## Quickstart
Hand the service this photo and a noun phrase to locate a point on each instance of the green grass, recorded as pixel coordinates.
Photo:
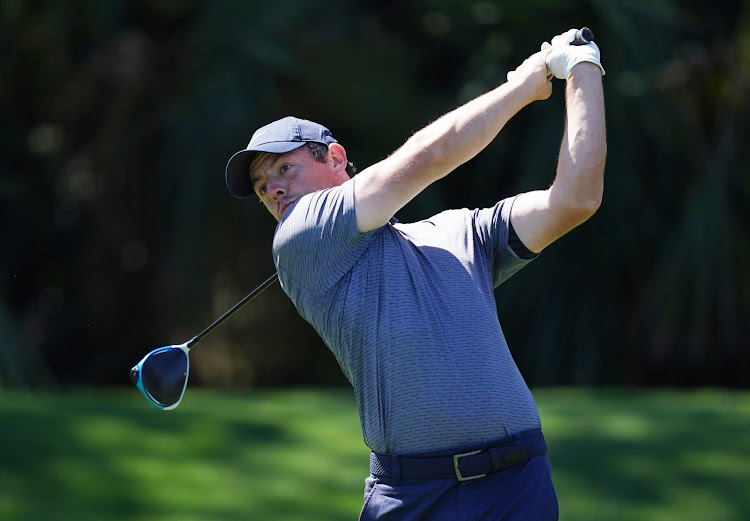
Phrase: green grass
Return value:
(298, 454)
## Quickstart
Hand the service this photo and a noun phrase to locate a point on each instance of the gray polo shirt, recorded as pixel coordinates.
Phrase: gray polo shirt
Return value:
(409, 312)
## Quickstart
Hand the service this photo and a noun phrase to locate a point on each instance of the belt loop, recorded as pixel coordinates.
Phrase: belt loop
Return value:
(396, 468)
(497, 460)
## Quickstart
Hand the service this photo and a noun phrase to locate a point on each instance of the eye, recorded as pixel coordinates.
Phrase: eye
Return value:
(262, 190)
(285, 167)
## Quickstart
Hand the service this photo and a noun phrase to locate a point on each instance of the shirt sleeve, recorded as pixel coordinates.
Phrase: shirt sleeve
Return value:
(317, 240)
(492, 226)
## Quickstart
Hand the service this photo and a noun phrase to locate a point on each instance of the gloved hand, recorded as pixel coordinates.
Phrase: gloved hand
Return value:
(561, 40)
(564, 56)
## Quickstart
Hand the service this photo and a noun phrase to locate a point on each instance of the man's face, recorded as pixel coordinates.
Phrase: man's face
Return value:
(280, 179)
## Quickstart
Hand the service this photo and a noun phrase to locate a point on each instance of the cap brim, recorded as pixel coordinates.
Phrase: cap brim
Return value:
(238, 167)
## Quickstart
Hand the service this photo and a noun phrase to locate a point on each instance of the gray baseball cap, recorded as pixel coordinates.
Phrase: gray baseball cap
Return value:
(279, 137)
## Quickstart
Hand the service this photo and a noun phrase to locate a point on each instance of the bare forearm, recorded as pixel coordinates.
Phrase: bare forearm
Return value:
(579, 182)
(541, 217)
(435, 151)
(461, 134)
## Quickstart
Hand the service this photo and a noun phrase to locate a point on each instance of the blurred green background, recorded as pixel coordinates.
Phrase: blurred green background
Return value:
(118, 236)
(297, 454)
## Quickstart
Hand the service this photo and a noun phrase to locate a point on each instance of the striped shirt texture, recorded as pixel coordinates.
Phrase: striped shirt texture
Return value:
(409, 312)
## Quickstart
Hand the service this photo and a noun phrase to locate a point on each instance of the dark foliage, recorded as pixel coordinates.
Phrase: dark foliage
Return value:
(118, 234)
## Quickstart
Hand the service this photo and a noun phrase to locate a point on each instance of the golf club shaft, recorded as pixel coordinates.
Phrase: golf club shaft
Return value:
(250, 296)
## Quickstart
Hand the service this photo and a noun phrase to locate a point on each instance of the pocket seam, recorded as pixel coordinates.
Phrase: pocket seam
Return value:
(367, 501)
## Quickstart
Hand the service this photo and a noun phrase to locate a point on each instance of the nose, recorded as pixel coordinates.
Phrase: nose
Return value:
(275, 188)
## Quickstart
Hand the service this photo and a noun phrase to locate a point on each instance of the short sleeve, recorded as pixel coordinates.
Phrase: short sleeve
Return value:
(317, 240)
(492, 226)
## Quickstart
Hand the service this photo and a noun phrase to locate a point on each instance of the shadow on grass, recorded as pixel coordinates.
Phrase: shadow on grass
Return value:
(88, 456)
(298, 454)
(650, 455)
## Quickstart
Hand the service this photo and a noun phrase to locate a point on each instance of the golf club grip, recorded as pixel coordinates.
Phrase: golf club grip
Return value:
(584, 35)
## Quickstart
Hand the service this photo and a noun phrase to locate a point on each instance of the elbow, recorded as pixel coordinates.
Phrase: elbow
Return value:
(583, 197)
(578, 189)
(592, 201)
(588, 201)
(578, 212)
(589, 208)
(577, 204)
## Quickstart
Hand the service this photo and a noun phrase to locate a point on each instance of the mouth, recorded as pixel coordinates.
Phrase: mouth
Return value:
(283, 206)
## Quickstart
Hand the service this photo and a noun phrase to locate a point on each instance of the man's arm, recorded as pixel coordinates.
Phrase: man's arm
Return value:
(436, 150)
(540, 217)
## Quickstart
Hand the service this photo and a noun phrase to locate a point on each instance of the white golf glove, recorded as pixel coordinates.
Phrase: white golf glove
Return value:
(565, 56)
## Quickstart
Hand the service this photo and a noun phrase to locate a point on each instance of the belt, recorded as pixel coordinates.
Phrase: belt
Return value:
(464, 466)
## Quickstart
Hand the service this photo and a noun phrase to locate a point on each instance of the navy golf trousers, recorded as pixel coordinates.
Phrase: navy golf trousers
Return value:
(523, 492)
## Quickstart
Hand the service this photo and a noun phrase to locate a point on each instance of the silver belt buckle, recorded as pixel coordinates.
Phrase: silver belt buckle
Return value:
(460, 477)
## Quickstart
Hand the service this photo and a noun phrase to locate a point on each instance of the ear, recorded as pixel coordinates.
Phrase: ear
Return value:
(338, 156)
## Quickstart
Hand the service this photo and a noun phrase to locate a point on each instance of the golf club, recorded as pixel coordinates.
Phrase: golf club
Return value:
(583, 36)
(162, 374)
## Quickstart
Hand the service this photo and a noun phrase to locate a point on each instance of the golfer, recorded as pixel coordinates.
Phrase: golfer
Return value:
(408, 309)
